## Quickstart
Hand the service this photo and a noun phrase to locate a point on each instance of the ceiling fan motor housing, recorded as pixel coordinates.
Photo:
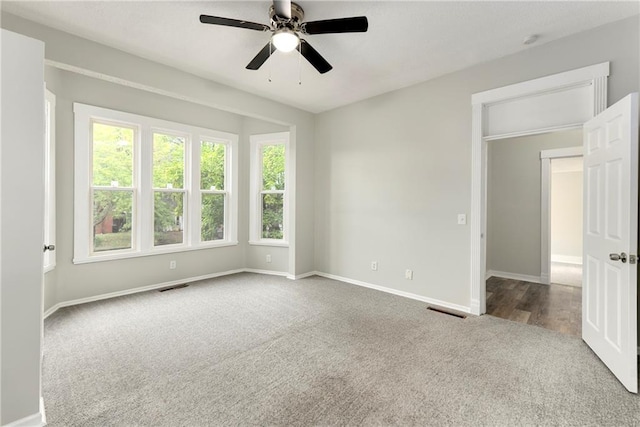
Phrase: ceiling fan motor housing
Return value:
(297, 16)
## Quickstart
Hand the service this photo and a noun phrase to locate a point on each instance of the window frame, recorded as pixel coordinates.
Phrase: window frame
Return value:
(49, 259)
(257, 142)
(143, 198)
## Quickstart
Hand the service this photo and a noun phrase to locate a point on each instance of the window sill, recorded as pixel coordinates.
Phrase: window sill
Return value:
(280, 243)
(163, 251)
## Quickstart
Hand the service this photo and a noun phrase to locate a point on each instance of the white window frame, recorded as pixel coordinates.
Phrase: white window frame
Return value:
(143, 209)
(49, 259)
(257, 142)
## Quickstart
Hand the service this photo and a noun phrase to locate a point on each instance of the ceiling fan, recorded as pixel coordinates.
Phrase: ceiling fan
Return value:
(286, 27)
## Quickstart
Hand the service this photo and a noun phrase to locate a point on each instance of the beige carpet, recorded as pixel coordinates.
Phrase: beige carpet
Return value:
(566, 274)
(262, 350)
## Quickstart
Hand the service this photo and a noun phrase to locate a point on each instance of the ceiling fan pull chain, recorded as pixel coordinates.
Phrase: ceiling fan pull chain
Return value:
(270, 52)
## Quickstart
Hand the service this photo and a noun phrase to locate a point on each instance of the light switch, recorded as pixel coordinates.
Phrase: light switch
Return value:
(462, 219)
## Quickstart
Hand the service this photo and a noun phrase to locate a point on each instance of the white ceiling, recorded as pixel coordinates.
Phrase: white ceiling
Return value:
(407, 42)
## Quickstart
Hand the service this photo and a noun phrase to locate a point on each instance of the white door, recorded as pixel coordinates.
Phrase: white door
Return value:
(609, 305)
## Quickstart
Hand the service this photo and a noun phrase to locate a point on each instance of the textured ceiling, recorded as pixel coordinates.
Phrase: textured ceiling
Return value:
(407, 42)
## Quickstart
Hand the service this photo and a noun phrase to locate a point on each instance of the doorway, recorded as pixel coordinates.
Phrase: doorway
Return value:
(520, 211)
(565, 213)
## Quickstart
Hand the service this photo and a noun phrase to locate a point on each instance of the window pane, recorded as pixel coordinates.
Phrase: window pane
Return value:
(168, 218)
(272, 216)
(112, 155)
(112, 220)
(273, 167)
(212, 165)
(212, 217)
(168, 161)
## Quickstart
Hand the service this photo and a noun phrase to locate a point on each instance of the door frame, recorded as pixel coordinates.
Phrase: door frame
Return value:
(556, 102)
(545, 205)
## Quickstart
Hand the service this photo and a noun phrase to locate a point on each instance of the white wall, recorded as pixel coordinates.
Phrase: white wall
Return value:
(566, 210)
(393, 172)
(22, 226)
(513, 200)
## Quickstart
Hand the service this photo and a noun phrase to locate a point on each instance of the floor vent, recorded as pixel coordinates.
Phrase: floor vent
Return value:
(173, 287)
(450, 313)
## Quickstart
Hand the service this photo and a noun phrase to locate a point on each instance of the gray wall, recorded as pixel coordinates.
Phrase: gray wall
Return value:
(22, 226)
(85, 280)
(513, 200)
(209, 105)
(392, 172)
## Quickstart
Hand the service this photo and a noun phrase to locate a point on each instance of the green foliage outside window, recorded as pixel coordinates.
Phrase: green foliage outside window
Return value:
(212, 171)
(273, 178)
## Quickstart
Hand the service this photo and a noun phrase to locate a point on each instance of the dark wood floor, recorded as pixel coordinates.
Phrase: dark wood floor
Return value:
(555, 307)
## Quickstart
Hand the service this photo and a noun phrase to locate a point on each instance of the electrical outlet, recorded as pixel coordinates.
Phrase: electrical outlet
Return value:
(374, 265)
(172, 265)
(268, 258)
(408, 274)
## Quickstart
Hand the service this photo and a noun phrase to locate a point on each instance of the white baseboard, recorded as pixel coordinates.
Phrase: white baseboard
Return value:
(434, 301)
(44, 415)
(567, 259)
(544, 279)
(410, 295)
(53, 309)
(475, 307)
(516, 276)
(269, 272)
(301, 276)
(35, 420)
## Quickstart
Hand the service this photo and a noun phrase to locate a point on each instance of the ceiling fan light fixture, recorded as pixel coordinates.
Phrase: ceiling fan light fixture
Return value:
(285, 40)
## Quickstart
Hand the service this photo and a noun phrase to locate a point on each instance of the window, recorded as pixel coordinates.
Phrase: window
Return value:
(269, 200)
(137, 181)
(50, 179)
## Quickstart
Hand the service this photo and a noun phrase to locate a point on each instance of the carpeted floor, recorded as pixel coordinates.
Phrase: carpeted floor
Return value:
(566, 274)
(249, 349)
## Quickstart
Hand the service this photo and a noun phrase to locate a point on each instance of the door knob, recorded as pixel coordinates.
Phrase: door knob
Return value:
(49, 248)
(615, 257)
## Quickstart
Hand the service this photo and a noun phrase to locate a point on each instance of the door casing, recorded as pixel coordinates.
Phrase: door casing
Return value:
(548, 104)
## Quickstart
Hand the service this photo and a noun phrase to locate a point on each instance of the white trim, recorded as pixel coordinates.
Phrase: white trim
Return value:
(409, 295)
(559, 153)
(142, 186)
(42, 411)
(544, 84)
(566, 259)
(50, 181)
(36, 420)
(545, 217)
(533, 132)
(428, 300)
(302, 276)
(269, 242)
(595, 76)
(158, 251)
(545, 204)
(53, 309)
(267, 272)
(516, 276)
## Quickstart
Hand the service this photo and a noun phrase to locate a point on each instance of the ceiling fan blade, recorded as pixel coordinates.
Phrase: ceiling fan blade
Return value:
(357, 24)
(216, 20)
(313, 57)
(282, 8)
(261, 57)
